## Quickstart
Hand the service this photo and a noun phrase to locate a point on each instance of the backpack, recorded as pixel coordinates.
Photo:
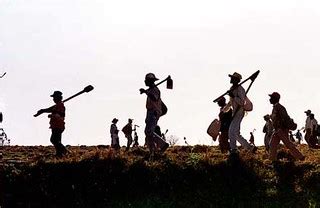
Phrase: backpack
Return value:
(248, 106)
(164, 109)
(290, 124)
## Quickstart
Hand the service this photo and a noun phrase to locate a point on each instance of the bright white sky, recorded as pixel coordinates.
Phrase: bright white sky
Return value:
(48, 45)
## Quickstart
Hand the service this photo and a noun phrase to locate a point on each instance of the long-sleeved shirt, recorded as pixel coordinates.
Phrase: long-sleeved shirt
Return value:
(279, 116)
(57, 116)
(154, 103)
(238, 100)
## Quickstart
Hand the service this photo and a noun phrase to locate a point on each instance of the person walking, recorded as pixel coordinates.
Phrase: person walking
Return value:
(313, 138)
(115, 144)
(281, 122)
(127, 130)
(237, 100)
(154, 111)
(299, 136)
(57, 124)
(268, 131)
(308, 127)
(225, 118)
(251, 140)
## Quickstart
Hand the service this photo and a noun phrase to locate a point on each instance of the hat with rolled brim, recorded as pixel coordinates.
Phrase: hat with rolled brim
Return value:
(275, 95)
(115, 120)
(151, 76)
(236, 75)
(307, 111)
(266, 116)
(56, 94)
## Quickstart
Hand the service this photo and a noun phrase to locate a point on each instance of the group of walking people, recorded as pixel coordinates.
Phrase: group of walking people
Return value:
(276, 129)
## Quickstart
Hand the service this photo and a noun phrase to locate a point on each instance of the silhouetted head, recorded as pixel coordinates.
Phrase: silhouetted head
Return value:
(266, 117)
(130, 120)
(57, 96)
(222, 102)
(308, 112)
(235, 78)
(114, 121)
(274, 98)
(150, 79)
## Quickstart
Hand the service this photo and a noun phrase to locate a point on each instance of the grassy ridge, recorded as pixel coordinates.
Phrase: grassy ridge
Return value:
(198, 176)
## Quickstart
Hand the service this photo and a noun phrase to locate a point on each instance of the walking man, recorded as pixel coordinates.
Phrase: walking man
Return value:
(114, 134)
(313, 139)
(237, 100)
(299, 136)
(268, 131)
(280, 120)
(57, 124)
(154, 111)
(308, 127)
(225, 117)
(127, 130)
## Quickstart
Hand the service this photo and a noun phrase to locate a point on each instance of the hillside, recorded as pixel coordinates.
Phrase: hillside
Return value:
(198, 176)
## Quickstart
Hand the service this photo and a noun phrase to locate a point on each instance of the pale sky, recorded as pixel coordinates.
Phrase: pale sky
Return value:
(66, 45)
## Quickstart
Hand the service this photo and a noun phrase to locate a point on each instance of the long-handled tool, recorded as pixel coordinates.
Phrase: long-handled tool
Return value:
(169, 83)
(3, 75)
(252, 78)
(85, 90)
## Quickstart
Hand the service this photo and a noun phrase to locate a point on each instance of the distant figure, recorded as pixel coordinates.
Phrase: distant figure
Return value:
(313, 138)
(3, 137)
(154, 111)
(127, 130)
(251, 140)
(291, 138)
(225, 117)
(185, 141)
(268, 131)
(308, 127)
(299, 136)
(114, 134)
(280, 120)
(237, 100)
(136, 138)
(57, 124)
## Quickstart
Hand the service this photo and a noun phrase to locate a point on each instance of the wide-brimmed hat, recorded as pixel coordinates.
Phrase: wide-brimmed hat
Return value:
(266, 116)
(236, 75)
(115, 120)
(151, 76)
(56, 94)
(275, 95)
(307, 111)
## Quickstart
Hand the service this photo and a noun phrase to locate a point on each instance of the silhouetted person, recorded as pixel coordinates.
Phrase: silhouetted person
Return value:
(225, 118)
(127, 130)
(308, 127)
(291, 137)
(136, 138)
(299, 136)
(251, 140)
(280, 120)
(57, 124)
(114, 134)
(313, 138)
(237, 100)
(154, 111)
(268, 131)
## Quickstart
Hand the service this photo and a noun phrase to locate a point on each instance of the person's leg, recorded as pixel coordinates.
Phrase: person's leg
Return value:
(284, 135)
(275, 140)
(267, 142)
(151, 123)
(307, 136)
(56, 140)
(234, 132)
(223, 142)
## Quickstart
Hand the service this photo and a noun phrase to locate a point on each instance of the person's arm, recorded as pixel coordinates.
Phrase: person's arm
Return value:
(151, 93)
(46, 110)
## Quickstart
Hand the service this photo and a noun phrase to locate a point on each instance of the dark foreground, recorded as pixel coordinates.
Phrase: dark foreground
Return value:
(198, 176)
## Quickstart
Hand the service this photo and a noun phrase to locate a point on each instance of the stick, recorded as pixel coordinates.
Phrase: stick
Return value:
(252, 78)
(86, 89)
